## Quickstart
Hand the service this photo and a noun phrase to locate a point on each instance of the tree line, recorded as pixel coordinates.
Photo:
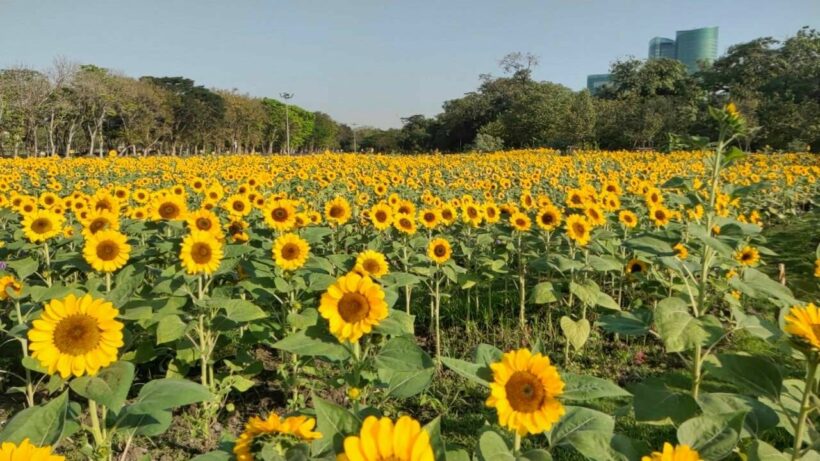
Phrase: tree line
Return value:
(657, 104)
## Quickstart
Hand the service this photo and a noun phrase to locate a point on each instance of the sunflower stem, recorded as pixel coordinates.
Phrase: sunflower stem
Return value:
(108, 282)
(517, 443)
(805, 408)
(48, 263)
(24, 344)
(95, 424)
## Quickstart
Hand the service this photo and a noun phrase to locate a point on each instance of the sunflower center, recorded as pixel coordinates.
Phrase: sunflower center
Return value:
(77, 334)
(547, 218)
(97, 225)
(336, 211)
(169, 211)
(203, 224)
(439, 250)
(238, 206)
(290, 251)
(107, 250)
(371, 266)
(579, 229)
(201, 253)
(41, 225)
(660, 215)
(381, 216)
(520, 223)
(746, 256)
(279, 215)
(525, 392)
(353, 307)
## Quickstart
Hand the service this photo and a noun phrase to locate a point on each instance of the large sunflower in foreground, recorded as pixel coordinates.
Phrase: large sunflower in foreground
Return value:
(25, 451)
(39, 226)
(524, 392)
(381, 440)
(290, 251)
(107, 250)
(804, 323)
(201, 253)
(353, 306)
(673, 453)
(76, 336)
(299, 427)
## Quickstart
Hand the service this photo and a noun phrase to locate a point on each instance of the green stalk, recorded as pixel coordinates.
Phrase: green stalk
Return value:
(24, 344)
(805, 408)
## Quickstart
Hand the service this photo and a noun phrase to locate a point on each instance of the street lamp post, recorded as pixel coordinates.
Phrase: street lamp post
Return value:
(286, 97)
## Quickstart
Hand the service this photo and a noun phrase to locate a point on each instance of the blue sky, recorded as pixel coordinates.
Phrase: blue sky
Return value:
(368, 62)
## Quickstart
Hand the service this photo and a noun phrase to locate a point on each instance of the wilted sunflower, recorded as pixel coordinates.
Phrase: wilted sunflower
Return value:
(635, 266)
(520, 222)
(25, 451)
(381, 440)
(439, 250)
(804, 322)
(280, 215)
(76, 336)
(628, 219)
(524, 392)
(673, 453)
(337, 211)
(39, 226)
(381, 215)
(9, 283)
(578, 229)
(353, 306)
(299, 427)
(290, 251)
(201, 253)
(107, 250)
(548, 218)
(747, 256)
(372, 263)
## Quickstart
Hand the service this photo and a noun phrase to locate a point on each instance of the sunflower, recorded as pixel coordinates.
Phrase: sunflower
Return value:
(628, 219)
(548, 218)
(107, 250)
(299, 427)
(169, 207)
(76, 336)
(578, 229)
(817, 267)
(201, 253)
(280, 215)
(492, 214)
(337, 211)
(25, 451)
(429, 217)
(238, 205)
(576, 198)
(747, 256)
(524, 392)
(635, 266)
(206, 221)
(804, 322)
(290, 251)
(673, 453)
(520, 222)
(39, 226)
(660, 215)
(381, 440)
(439, 250)
(353, 306)
(405, 223)
(98, 220)
(681, 251)
(595, 216)
(448, 214)
(7, 282)
(381, 215)
(472, 214)
(372, 263)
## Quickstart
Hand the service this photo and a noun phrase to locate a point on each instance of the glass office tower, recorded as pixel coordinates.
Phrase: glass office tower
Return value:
(661, 47)
(695, 46)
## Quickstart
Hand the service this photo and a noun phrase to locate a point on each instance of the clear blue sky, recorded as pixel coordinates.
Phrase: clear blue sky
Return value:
(368, 62)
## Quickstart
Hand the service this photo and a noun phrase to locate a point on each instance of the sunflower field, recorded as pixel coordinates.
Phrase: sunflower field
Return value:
(522, 305)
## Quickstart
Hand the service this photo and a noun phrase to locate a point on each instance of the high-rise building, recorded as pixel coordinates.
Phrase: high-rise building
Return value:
(661, 47)
(596, 81)
(695, 46)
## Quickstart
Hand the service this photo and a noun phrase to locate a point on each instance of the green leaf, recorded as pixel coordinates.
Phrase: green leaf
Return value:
(335, 423)
(752, 374)
(108, 387)
(543, 293)
(465, 369)
(759, 416)
(713, 436)
(605, 264)
(433, 428)
(762, 451)
(606, 301)
(635, 323)
(127, 281)
(42, 425)
(397, 323)
(24, 267)
(535, 455)
(678, 329)
(650, 245)
(400, 279)
(601, 446)
(587, 292)
(166, 394)
(576, 333)
(583, 388)
(150, 424)
(653, 401)
(405, 367)
(492, 447)
(170, 328)
(241, 311)
(313, 342)
(577, 423)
